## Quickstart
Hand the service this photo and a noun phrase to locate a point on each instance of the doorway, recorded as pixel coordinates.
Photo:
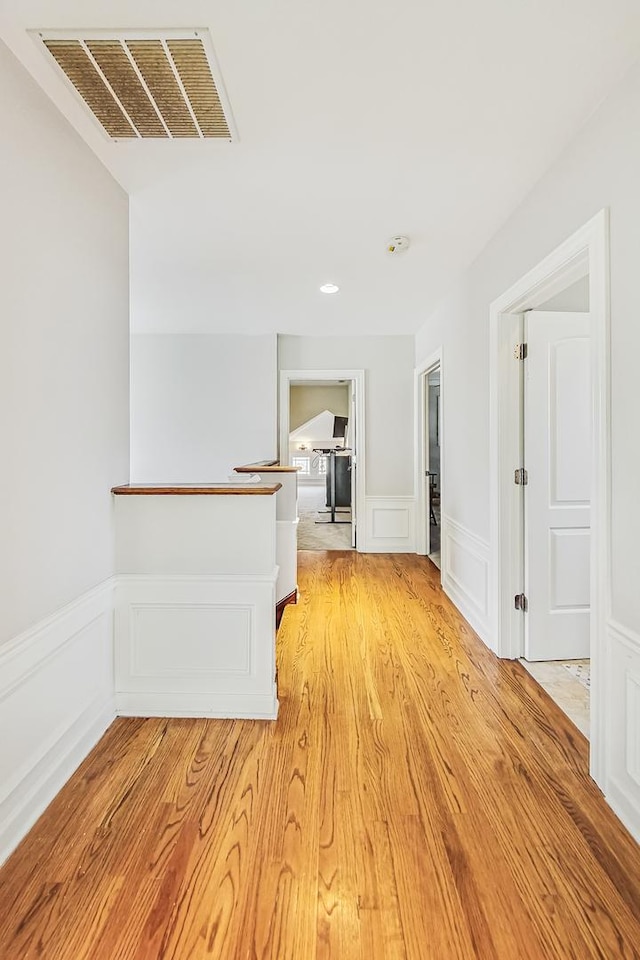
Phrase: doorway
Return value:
(556, 492)
(429, 459)
(322, 433)
(556, 487)
(433, 474)
(584, 255)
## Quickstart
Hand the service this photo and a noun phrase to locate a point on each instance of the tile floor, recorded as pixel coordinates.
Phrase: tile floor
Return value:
(566, 682)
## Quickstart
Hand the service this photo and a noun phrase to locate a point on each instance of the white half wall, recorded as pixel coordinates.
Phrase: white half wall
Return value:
(221, 666)
(64, 423)
(195, 605)
(201, 405)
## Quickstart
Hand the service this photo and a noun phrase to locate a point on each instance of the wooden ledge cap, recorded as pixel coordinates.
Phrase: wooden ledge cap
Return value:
(257, 468)
(200, 489)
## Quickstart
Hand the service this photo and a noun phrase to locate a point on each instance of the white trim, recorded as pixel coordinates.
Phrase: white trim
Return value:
(465, 573)
(622, 788)
(587, 251)
(625, 634)
(389, 525)
(173, 579)
(20, 809)
(434, 361)
(74, 610)
(624, 808)
(60, 671)
(160, 703)
(358, 379)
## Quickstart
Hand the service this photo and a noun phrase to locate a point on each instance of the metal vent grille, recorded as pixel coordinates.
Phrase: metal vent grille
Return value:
(142, 87)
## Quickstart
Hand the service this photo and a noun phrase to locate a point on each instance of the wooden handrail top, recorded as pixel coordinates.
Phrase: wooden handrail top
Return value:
(199, 489)
(265, 468)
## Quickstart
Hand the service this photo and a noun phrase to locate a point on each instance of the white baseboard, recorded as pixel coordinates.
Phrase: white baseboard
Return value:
(621, 700)
(389, 525)
(465, 573)
(56, 699)
(220, 706)
(224, 660)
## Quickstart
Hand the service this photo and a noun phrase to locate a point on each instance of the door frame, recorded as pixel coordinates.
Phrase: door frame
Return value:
(421, 392)
(357, 378)
(586, 252)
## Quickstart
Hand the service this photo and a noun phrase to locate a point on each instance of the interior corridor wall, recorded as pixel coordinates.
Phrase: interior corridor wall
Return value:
(64, 381)
(598, 169)
(201, 404)
(64, 399)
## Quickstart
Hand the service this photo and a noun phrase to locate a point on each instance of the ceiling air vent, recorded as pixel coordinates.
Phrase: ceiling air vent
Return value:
(144, 86)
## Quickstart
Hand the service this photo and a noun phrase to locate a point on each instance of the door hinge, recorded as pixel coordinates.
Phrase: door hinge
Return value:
(521, 476)
(520, 352)
(521, 602)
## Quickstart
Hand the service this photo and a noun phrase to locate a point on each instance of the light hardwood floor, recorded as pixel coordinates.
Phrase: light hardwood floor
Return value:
(413, 800)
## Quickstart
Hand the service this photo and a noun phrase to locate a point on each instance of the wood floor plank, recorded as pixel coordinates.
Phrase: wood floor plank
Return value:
(417, 799)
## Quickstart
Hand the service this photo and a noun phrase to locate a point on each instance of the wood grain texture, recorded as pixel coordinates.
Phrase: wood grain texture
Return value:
(417, 799)
(189, 490)
(259, 468)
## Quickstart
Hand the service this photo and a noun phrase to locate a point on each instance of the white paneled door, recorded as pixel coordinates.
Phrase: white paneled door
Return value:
(557, 456)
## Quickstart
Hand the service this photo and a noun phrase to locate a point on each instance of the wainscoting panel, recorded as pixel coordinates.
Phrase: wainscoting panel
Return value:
(622, 734)
(56, 701)
(465, 574)
(202, 650)
(389, 525)
(196, 646)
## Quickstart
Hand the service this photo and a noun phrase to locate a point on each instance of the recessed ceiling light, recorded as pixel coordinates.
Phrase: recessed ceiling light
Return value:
(329, 288)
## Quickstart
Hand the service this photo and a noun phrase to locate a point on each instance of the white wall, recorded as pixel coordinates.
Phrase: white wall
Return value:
(201, 405)
(388, 365)
(599, 169)
(64, 384)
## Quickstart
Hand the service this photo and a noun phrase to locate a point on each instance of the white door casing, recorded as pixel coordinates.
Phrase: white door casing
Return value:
(421, 449)
(426, 473)
(357, 434)
(557, 456)
(353, 443)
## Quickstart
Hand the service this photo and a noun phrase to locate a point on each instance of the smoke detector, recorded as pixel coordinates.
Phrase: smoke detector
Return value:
(398, 245)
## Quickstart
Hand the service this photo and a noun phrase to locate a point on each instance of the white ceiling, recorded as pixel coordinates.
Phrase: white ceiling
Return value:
(357, 120)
